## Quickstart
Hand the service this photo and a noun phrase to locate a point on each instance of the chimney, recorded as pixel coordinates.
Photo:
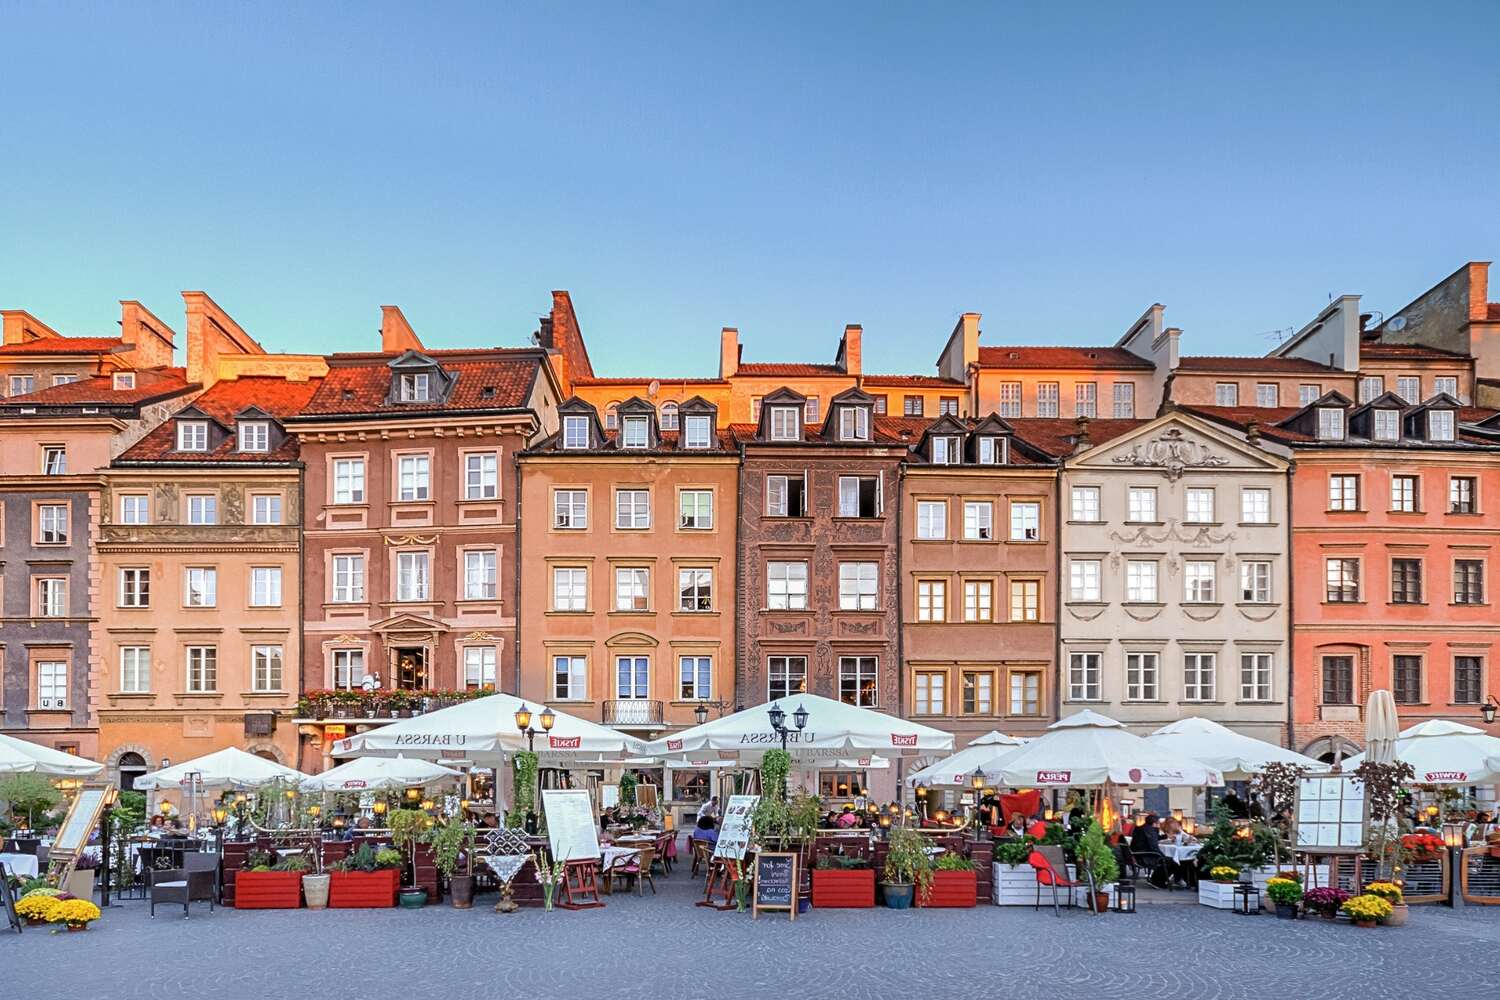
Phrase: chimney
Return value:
(1252, 433)
(396, 334)
(22, 328)
(153, 341)
(729, 351)
(1081, 436)
(848, 359)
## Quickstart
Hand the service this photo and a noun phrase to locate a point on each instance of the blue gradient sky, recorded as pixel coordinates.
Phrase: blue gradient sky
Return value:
(785, 170)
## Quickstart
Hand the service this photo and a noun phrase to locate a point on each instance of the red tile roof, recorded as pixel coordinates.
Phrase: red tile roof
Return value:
(278, 397)
(496, 379)
(647, 380)
(913, 381)
(1229, 364)
(99, 390)
(791, 370)
(1380, 350)
(1059, 436)
(64, 345)
(1062, 358)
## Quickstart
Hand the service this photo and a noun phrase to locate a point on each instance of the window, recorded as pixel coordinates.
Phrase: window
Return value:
(265, 508)
(1046, 399)
(857, 586)
(668, 416)
(979, 600)
(1342, 576)
(632, 589)
(632, 509)
(1010, 399)
(979, 516)
(977, 692)
(1085, 399)
(124, 380)
(52, 597)
(993, 450)
(414, 477)
(612, 415)
(812, 409)
(1085, 503)
(1198, 581)
(1199, 676)
(570, 509)
(1343, 493)
(786, 496)
(857, 681)
(948, 406)
(479, 667)
(695, 509)
(348, 669)
(945, 451)
(135, 509)
(854, 423)
(52, 684)
(911, 406)
(1406, 679)
(1370, 387)
(1406, 581)
(1124, 400)
(1267, 394)
(569, 678)
(880, 404)
(1083, 580)
(1255, 582)
(695, 676)
(135, 587)
(20, 385)
(786, 586)
(1468, 581)
(65, 379)
(859, 496)
(697, 431)
(348, 579)
(135, 669)
(1083, 677)
(932, 600)
(575, 432)
(1404, 494)
(1440, 425)
(1200, 506)
(1446, 384)
(255, 435)
(931, 694)
(192, 435)
(412, 578)
(695, 589)
(203, 508)
(755, 402)
(1226, 394)
(1461, 491)
(200, 587)
(786, 676)
(202, 668)
(1025, 692)
(1140, 581)
(481, 476)
(785, 425)
(570, 586)
(1025, 521)
(1308, 393)
(54, 460)
(1142, 504)
(265, 668)
(1255, 676)
(1141, 676)
(415, 387)
(1330, 423)
(1468, 680)
(635, 432)
(265, 586)
(1409, 388)
(479, 575)
(52, 524)
(349, 480)
(1255, 506)
(1025, 600)
(932, 519)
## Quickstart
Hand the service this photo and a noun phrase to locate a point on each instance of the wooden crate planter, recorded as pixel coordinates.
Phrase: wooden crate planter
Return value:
(1318, 878)
(843, 888)
(350, 890)
(952, 889)
(267, 890)
(1220, 895)
(1015, 885)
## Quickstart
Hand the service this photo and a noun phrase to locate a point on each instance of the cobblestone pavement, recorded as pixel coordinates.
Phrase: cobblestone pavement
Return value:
(664, 948)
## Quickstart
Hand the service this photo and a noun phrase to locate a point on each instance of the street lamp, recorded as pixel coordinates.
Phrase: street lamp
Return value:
(977, 783)
(778, 721)
(1488, 710)
(546, 718)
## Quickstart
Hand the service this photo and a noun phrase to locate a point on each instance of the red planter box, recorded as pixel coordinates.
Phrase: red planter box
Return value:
(267, 890)
(843, 889)
(348, 890)
(951, 889)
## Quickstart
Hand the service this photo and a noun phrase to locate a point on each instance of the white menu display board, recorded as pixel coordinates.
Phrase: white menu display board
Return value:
(734, 831)
(1330, 813)
(570, 824)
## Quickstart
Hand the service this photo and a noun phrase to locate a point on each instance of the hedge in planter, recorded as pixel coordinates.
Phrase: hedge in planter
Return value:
(260, 885)
(955, 883)
(842, 883)
(366, 878)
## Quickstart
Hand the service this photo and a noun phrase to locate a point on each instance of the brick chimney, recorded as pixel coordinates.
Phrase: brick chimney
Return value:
(849, 349)
(1081, 436)
(396, 334)
(729, 351)
(153, 341)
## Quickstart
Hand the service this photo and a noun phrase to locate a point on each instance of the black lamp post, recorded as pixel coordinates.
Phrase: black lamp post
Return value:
(523, 723)
(1488, 710)
(700, 710)
(778, 721)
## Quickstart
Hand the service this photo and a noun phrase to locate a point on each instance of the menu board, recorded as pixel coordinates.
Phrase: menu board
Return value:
(609, 796)
(1330, 813)
(775, 884)
(734, 831)
(570, 824)
(81, 821)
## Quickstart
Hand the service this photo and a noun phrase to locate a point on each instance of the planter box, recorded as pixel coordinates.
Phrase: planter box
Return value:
(843, 889)
(1318, 879)
(349, 890)
(952, 889)
(1220, 895)
(1081, 896)
(1015, 885)
(267, 890)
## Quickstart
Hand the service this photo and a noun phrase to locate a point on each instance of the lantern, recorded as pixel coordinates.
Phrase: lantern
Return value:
(1453, 834)
(1125, 896)
(921, 791)
(378, 807)
(523, 718)
(548, 719)
(315, 811)
(413, 794)
(1048, 815)
(338, 822)
(220, 814)
(427, 805)
(1177, 815)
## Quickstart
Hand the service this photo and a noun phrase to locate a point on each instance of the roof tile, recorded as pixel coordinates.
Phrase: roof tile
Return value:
(64, 345)
(1061, 357)
(278, 397)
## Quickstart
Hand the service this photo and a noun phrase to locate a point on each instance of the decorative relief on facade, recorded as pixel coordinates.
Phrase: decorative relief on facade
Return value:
(165, 502)
(1201, 612)
(1259, 614)
(233, 499)
(411, 540)
(480, 636)
(1199, 536)
(858, 628)
(1087, 613)
(1143, 614)
(789, 628)
(1172, 453)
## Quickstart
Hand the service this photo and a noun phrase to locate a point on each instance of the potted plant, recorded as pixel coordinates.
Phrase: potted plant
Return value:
(314, 887)
(452, 846)
(76, 913)
(840, 882)
(550, 878)
(1366, 910)
(81, 881)
(955, 883)
(1224, 874)
(261, 885)
(1015, 881)
(1097, 860)
(1392, 893)
(1286, 894)
(408, 828)
(36, 907)
(907, 867)
(366, 878)
(1325, 902)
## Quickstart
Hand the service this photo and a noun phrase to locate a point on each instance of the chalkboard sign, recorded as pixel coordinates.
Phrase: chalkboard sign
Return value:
(8, 900)
(774, 886)
(77, 826)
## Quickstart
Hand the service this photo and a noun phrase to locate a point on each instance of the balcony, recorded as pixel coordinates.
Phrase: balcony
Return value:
(634, 713)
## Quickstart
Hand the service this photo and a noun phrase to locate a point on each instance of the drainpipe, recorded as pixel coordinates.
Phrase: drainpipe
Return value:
(301, 594)
(515, 462)
(1291, 616)
(900, 630)
(1057, 595)
(739, 567)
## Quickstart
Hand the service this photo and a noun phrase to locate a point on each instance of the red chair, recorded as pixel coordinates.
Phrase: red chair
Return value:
(1047, 874)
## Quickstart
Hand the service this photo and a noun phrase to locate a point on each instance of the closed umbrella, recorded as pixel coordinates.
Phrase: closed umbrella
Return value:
(1442, 752)
(19, 756)
(1380, 727)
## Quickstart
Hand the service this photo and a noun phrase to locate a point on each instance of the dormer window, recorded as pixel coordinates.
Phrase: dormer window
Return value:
(1330, 423)
(697, 430)
(575, 432)
(785, 423)
(1387, 425)
(635, 432)
(192, 435)
(993, 451)
(854, 423)
(255, 435)
(669, 416)
(416, 387)
(124, 380)
(1440, 425)
(945, 450)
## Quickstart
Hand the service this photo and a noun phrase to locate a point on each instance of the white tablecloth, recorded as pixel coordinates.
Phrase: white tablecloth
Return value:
(21, 864)
(1180, 852)
(613, 854)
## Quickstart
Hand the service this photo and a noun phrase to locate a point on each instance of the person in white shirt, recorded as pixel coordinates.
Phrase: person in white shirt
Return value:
(709, 809)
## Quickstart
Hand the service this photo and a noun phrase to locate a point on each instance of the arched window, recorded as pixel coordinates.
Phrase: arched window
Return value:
(669, 416)
(612, 414)
(132, 766)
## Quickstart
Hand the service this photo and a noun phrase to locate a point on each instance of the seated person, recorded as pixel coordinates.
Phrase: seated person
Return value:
(847, 818)
(1018, 826)
(1145, 846)
(705, 830)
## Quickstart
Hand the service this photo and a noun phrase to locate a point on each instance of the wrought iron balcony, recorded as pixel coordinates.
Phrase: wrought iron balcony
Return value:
(633, 713)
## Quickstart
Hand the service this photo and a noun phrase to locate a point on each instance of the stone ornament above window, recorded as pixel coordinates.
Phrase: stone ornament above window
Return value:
(1171, 452)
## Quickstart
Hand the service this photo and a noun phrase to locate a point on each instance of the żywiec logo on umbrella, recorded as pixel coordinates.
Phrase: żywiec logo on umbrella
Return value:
(903, 740)
(1435, 776)
(565, 742)
(355, 783)
(1054, 777)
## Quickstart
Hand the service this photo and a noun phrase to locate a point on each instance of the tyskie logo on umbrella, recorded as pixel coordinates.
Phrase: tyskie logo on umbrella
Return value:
(565, 742)
(674, 745)
(1432, 777)
(903, 740)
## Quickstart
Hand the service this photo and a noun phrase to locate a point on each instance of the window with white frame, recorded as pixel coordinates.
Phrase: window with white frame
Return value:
(570, 509)
(414, 477)
(786, 423)
(265, 586)
(255, 435)
(1440, 425)
(695, 588)
(348, 480)
(1308, 393)
(786, 496)
(931, 695)
(812, 409)
(857, 681)
(979, 600)
(697, 431)
(21, 385)
(786, 586)
(695, 678)
(1200, 676)
(1025, 521)
(1370, 387)
(1386, 425)
(1025, 600)
(413, 576)
(200, 587)
(1198, 581)
(1330, 423)
(912, 406)
(859, 496)
(1086, 399)
(977, 692)
(632, 588)
(54, 460)
(1124, 400)
(755, 403)
(1140, 581)
(348, 579)
(1341, 580)
(1255, 676)
(612, 415)
(1446, 385)
(479, 667)
(575, 432)
(993, 450)
(202, 669)
(570, 678)
(66, 379)
(1404, 491)
(124, 380)
(52, 597)
(1025, 692)
(1085, 503)
(857, 586)
(203, 508)
(854, 423)
(135, 508)
(348, 669)
(1267, 394)
(786, 676)
(947, 406)
(1010, 399)
(1199, 505)
(1226, 394)
(1461, 494)
(265, 668)
(635, 432)
(192, 435)
(932, 600)
(932, 519)
(1084, 677)
(480, 575)
(52, 524)
(1409, 388)
(135, 669)
(570, 588)
(695, 509)
(416, 387)
(265, 508)
(1141, 503)
(668, 416)
(1255, 581)
(1083, 579)
(1046, 399)
(632, 677)
(481, 476)
(1142, 676)
(1343, 492)
(946, 450)
(632, 508)
(52, 684)
(979, 520)
(1255, 505)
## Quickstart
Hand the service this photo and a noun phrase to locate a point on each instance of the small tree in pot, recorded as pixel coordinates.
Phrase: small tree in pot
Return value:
(908, 868)
(452, 846)
(1096, 858)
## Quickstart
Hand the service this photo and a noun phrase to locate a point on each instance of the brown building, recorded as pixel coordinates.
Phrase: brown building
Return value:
(978, 565)
(628, 614)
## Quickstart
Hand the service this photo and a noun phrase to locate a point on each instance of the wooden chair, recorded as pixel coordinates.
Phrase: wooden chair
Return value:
(703, 853)
(641, 865)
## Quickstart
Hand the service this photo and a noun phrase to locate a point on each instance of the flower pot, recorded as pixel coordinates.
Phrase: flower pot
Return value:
(1364, 923)
(1399, 913)
(843, 888)
(1101, 902)
(315, 891)
(34, 921)
(461, 887)
(897, 896)
(1328, 915)
(413, 899)
(1286, 911)
(77, 927)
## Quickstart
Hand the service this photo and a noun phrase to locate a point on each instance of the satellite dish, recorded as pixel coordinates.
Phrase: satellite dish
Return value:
(1397, 324)
(653, 388)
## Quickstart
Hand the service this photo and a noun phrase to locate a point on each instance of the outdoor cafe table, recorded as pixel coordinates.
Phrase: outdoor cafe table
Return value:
(1179, 852)
(20, 864)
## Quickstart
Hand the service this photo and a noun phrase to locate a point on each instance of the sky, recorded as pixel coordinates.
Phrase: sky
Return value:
(784, 169)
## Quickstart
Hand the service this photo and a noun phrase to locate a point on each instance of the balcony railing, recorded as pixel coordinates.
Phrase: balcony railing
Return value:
(640, 712)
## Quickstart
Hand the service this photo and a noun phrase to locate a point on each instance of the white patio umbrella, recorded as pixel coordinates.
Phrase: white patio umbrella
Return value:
(983, 752)
(1445, 753)
(227, 768)
(19, 756)
(1235, 755)
(374, 774)
(1089, 749)
(835, 731)
(1380, 727)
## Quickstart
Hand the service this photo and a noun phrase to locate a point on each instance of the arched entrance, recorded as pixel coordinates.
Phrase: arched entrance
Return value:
(131, 766)
(1329, 748)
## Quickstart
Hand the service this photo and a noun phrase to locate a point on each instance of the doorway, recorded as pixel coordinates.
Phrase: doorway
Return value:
(410, 670)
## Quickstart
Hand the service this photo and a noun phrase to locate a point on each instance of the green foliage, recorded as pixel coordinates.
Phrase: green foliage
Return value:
(361, 859)
(804, 815)
(31, 797)
(1014, 852)
(407, 826)
(450, 842)
(388, 857)
(293, 863)
(1223, 847)
(774, 767)
(258, 861)
(1058, 835)
(1284, 891)
(828, 861)
(627, 789)
(1095, 856)
(907, 862)
(954, 863)
(526, 768)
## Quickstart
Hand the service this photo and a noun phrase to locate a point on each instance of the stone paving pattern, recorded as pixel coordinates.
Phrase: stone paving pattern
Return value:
(664, 948)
